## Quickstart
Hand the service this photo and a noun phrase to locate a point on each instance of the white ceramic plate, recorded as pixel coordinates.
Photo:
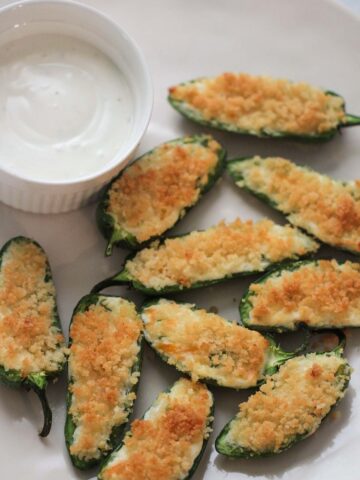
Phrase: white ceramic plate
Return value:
(313, 41)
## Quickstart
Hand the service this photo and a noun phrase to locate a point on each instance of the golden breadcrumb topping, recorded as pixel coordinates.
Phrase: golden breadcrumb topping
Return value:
(321, 294)
(164, 444)
(103, 353)
(151, 195)
(29, 342)
(292, 402)
(220, 251)
(205, 344)
(260, 103)
(326, 208)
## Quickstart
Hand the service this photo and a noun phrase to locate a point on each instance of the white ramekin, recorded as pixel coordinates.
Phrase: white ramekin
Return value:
(88, 24)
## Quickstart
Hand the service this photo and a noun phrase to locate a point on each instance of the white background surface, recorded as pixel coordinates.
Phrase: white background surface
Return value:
(353, 5)
(314, 41)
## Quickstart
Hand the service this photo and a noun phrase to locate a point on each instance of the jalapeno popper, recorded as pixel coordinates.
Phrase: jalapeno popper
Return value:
(325, 208)
(262, 106)
(104, 369)
(32, 345)
(168, 442)
(207, 257)
(289, 407)
(154, 193)
(208, 347)
(321, 294)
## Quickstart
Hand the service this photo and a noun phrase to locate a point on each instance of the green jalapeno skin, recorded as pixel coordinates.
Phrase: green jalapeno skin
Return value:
(230, 448)
(196, 116)
(117, 431)
(36, 381)
(233, 168)
(275, 355)
(116, 234)
(196, 462)
(125, 278)
(246, 303)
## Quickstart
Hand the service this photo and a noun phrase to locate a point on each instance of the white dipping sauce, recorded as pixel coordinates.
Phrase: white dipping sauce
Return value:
(65, 108)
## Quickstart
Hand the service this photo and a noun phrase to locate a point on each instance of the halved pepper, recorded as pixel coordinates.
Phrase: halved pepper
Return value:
(209, 348)
(169, 440)
(202, 258)
(262, 106)
(321, 294)
(32, 345)
(326, 208)
(151, 195)
(104, 368)
(289, 406)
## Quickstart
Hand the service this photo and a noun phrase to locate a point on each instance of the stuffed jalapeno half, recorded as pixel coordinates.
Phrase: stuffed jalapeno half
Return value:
(262, 106)
(209, 348)
(325, 208)
(104, 370)
(168, 441)
(32, 345)
(289, 406)
(151, 195)
(322, 294)
(202, 258)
